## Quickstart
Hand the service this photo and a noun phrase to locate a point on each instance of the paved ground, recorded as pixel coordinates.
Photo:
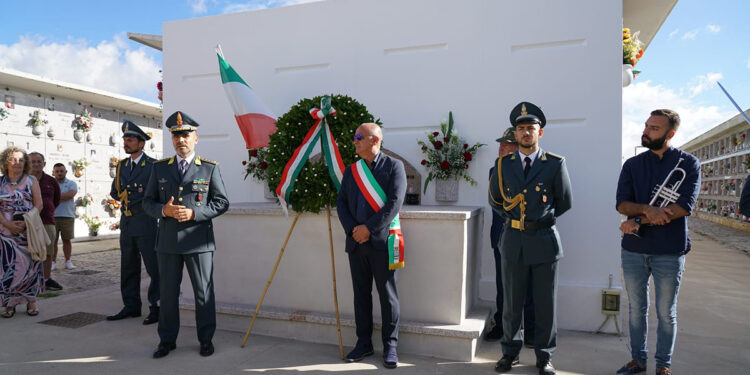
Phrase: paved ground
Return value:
(713, 338)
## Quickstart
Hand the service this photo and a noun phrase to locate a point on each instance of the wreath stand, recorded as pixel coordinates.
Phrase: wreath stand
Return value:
(276, 266)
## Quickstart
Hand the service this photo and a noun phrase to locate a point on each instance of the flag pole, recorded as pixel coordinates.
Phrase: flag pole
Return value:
(733, 102)
(219, 51)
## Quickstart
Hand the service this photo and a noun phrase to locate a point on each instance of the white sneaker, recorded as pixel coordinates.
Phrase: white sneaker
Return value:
(54, 264)
(69, 265)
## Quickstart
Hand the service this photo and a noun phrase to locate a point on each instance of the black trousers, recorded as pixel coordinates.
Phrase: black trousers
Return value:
(200, 270)
(368, 265)
(528, 306)
(543, 279)
(132, 249)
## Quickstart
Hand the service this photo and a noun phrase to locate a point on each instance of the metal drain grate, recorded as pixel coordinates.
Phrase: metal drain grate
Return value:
(86, 272)
(74, 320)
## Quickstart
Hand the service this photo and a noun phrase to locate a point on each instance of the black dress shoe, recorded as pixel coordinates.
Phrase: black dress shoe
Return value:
(124, 314)
(545, 368)
(390, 357)
(505, 363)
(359, 352)
(163, 349)
(495, 334)
(152, 317)
(207, 348)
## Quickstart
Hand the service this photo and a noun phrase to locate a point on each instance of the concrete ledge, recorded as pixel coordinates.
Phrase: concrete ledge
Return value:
(455, 342)
(407, 212)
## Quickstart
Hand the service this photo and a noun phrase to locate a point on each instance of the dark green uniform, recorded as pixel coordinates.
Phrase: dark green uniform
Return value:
(137, 233)
(530, 249)
(189, 243)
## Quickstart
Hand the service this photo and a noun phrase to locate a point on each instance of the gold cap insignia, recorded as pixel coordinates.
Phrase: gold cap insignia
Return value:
(523, 110)
(179, 119)
(127, 126)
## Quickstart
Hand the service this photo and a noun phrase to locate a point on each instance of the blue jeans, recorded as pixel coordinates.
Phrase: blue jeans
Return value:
(667, 272)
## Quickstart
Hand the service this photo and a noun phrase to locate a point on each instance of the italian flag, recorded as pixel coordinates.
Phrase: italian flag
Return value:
(255, 120)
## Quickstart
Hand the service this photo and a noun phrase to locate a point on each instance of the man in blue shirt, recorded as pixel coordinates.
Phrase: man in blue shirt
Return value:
(655, 236)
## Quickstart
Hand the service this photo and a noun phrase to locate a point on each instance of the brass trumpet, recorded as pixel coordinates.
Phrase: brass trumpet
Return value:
(668, 194)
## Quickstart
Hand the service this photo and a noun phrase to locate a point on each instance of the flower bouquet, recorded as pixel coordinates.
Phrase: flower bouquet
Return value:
(37, 118)
(111, 206)
(4, 113)
(632, 47)
(86, 200)
(447, 156)
(84, 121)
(94, 223)
(115, 226)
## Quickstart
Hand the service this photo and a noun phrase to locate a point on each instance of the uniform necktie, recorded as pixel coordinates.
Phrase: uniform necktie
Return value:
(183, 167)
(132, 165)
(527, 168)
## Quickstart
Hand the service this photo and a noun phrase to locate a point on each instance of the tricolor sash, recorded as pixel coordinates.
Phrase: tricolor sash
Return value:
(330, 150)
(375, 196)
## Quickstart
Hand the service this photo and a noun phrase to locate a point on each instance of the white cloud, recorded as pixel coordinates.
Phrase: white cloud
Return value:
(262, 4)
(702, 82)
(198, 6)
(690, 35)
(713, 28)
(110, 65)
(673, 33)
(639, 99)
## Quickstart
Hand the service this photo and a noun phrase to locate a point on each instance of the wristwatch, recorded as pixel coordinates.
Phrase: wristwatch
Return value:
(637, 220)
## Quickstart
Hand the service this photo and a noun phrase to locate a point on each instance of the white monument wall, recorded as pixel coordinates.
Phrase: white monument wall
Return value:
(410, 62)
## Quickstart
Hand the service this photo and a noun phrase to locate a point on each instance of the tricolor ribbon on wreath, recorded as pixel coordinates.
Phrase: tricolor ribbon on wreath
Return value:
(375, 196)
(320, 130)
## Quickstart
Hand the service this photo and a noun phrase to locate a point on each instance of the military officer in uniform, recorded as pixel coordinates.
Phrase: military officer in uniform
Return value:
(529, 188)
(137, 229)
(185, 192)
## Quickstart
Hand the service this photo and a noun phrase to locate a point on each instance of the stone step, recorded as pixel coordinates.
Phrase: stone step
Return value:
(453, 342)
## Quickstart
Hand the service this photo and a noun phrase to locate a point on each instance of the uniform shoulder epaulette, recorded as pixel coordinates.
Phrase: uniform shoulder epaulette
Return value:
(209, 161)
(161, 160)
(506, 155)
(555, 156)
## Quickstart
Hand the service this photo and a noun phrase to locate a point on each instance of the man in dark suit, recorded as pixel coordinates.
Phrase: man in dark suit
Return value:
(745, 198)
(367, 235)
(185, 192)
(530, 189)
(508, 145)
(137, 229)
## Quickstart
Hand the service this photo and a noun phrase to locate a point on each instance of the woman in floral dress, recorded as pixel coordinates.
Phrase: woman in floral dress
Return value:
(20, 276)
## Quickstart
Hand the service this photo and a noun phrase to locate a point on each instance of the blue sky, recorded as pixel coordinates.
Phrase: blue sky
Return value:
(700, 42)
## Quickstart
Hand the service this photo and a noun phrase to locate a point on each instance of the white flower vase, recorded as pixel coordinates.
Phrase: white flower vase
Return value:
(112, 140)
(78, 135)
(113, 172)
(446, 190)
(51, 133)
(37, 130)
(89, 137)
(80, 211)
(627, 75)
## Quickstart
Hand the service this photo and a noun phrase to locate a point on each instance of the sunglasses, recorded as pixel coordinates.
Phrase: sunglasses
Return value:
(359, 136)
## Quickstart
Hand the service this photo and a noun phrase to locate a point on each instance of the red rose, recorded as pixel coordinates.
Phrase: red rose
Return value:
(466, 166)
(435, 134)
(244, 162)
(444, 165)
(253, 153)
(159, 86)
(263, 165)
(466, 146)
(446, 139)
(438, 145)
(424, 162)
(252, 165)
(467, 156)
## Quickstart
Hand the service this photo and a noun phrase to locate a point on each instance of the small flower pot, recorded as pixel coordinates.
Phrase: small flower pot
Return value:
(113, 172)
(78, 171)
(93, 233)
(51, 132)
(80, 210)
(627, 75)
(446, 190)
(89, 137)
(37, 130)
(78, 135)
